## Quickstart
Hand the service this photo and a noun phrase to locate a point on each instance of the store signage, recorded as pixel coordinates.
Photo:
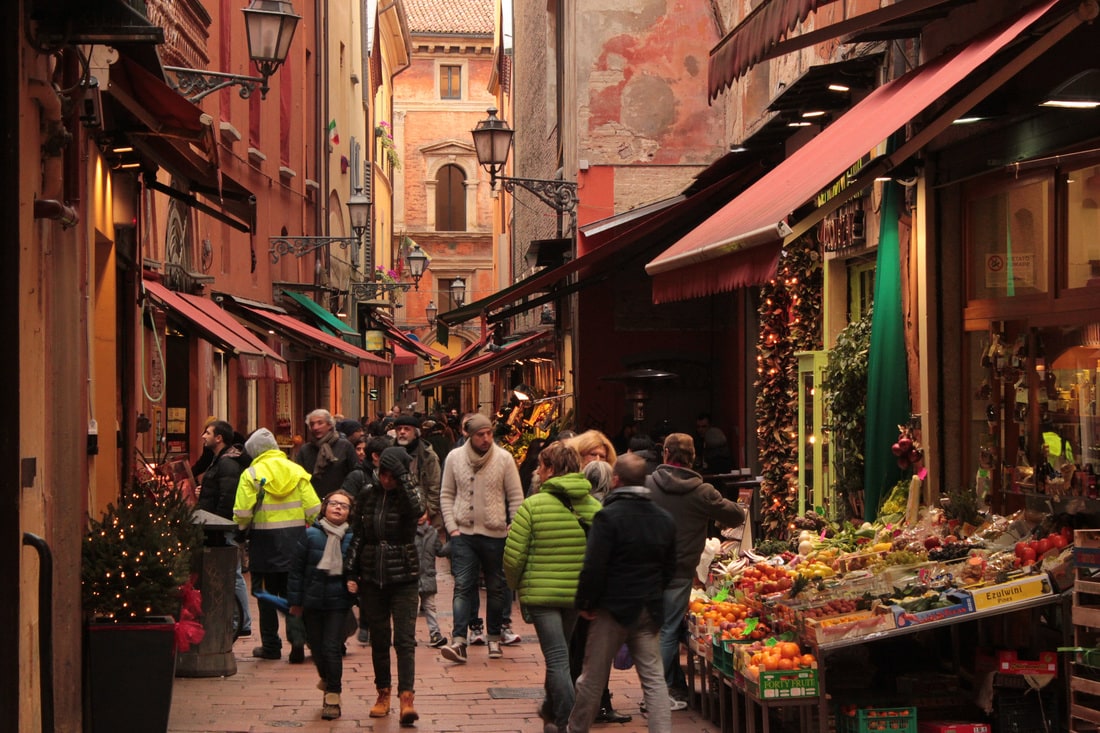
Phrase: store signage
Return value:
(375, 340)
(1014, 591)
(1017, 269)
(841, 184)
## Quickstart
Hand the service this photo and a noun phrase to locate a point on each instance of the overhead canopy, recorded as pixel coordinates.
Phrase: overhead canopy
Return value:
(408, 344)
(719, 253)
(760, 36)
(219, 328)
(325, 320)
(318, 342)
(538, 343)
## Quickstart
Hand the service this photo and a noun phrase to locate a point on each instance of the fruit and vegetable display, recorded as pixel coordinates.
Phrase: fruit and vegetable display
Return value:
(765, 611)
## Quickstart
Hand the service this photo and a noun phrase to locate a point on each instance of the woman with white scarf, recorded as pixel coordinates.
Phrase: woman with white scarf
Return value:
(317, 591)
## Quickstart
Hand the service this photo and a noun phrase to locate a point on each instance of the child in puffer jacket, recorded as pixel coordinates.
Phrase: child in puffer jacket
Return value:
(429, 547)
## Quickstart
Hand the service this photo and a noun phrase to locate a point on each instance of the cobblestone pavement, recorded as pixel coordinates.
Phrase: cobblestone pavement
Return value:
(482, 696)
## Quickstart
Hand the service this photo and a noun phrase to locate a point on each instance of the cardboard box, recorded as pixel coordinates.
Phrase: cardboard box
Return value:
(1014, 591)
(1086, 548)
(1009, 662)
(783, 684)
(848, 626)
(962, 603)
(942, 726)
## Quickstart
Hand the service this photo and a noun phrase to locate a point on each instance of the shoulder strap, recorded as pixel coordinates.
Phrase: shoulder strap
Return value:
(259, 490)
(569, 505)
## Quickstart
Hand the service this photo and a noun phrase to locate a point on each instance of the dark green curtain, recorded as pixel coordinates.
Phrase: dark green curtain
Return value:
(887, 378)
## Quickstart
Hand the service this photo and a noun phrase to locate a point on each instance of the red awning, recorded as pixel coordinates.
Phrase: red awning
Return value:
(540, 342)
(256, 360)
(746, 44)
(321, 343)
(700, 263)
(403, 357)
(276, 365)
(411, 346)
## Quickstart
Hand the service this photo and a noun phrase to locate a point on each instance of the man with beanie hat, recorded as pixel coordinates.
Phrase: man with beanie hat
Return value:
(275, 502)
(480, 494)
(425, 465)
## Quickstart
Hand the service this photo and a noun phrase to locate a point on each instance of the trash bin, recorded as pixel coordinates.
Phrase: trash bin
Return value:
(216, 567)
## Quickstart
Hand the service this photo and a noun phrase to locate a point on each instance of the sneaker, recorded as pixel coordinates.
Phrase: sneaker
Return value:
(495, 651)
(477, 634)
(364, 636)
(437, 640)
(677, 704)
(509, 637)
(455, 653)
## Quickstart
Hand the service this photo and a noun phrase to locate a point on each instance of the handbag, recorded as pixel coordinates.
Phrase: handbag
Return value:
(622, 659)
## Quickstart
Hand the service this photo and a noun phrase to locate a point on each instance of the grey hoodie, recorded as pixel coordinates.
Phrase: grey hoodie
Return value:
(692, 503)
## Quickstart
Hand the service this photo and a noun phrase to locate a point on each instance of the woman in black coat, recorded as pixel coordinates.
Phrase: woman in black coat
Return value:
(317, 591)
(383, 566)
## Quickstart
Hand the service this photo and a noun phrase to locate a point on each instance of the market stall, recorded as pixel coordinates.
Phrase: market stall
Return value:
(919, 622)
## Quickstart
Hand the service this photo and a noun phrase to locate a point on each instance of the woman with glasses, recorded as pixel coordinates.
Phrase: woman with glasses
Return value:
(317, 592)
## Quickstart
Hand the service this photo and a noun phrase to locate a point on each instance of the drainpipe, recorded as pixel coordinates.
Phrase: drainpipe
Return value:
(50, 205)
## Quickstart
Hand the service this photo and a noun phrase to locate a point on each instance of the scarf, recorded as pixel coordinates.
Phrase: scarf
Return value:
(332, 561)
(325, 456)
(477, 460)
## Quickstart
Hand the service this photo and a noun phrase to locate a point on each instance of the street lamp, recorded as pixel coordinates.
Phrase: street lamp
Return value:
(458, 291)
(269, 25)
(417, 262)
(492, 141)
(359, 216)
(431, 311)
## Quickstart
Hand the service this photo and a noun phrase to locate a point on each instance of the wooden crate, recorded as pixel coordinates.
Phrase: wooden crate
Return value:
(1084, 676)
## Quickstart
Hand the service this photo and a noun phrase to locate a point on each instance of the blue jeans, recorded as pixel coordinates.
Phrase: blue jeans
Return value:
(554, 627)
(676, 598)
(472, 555)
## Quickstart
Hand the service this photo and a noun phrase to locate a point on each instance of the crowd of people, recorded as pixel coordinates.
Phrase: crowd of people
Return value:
(344, 536)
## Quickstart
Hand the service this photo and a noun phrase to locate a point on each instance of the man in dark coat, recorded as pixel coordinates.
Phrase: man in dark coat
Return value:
(692, 503)
(631, 544)
(219, 491)
(327, 456)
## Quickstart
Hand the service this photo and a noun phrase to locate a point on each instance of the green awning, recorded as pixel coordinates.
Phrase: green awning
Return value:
(325, 320)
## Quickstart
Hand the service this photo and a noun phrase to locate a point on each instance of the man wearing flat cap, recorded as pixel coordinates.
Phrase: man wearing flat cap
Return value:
(479, 496)
(425, 465)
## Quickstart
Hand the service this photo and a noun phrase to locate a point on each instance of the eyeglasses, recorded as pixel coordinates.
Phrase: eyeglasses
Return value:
(340, 504)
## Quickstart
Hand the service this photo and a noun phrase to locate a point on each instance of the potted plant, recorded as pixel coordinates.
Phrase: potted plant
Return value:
(139, 606)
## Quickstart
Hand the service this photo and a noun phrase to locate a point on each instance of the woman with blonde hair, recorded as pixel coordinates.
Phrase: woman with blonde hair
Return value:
(592, 445)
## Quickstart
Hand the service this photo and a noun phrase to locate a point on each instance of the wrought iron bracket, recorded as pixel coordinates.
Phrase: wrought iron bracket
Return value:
(198, 83)
(377, 289)
(558, 195)
(301, 246)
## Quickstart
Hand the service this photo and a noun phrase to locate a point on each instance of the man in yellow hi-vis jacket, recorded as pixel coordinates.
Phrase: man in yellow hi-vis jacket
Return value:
(275, 503)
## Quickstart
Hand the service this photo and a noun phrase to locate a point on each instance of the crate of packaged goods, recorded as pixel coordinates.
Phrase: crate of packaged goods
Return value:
(1086, 548)
(865, 720)
(1009, 662)
(849, 626)
(929, 610)
(720, 657)
(951, 726)
(782, 684)
(1026, 588)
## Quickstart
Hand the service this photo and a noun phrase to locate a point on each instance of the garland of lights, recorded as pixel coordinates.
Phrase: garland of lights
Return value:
(790, 321)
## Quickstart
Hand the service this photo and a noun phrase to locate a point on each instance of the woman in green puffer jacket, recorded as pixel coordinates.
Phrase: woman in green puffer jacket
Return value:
(543, 556)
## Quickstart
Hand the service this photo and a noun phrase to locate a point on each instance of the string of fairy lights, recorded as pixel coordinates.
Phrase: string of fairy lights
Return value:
(790, 322)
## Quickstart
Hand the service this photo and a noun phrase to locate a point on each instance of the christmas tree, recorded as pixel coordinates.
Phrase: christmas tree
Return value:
(136, 558)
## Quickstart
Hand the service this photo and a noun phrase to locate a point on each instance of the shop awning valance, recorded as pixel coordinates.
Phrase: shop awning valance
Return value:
(717, 255)
(537, 343)
(318, 342)
(327, 321)
(256, 360)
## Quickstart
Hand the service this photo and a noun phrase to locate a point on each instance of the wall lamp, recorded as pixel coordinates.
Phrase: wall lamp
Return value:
(417, 262)
(270, 26)
(493, 141)
(359, 215)
(458, 292)
(430, 312)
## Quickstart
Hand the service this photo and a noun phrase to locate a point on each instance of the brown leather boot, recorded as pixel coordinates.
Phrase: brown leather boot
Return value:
(331, 709)
(381, 707)
(408, 712)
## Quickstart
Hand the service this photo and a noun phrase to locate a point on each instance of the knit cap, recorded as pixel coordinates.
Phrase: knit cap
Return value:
(475, 423)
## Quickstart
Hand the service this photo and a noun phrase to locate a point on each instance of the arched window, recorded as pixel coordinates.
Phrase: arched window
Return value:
(450, 199)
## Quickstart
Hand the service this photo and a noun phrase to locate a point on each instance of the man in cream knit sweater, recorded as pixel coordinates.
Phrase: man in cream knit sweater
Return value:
(479, 495)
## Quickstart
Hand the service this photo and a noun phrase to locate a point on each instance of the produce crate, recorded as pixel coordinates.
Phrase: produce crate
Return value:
(961, 604)
(1009, 662)
(1026, 710)
(847, 626)
(1086, 548)
(783, 684)
(723, 661)
(865, 720)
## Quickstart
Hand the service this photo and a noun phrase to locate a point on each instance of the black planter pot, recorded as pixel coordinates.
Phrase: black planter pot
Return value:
(129, 669)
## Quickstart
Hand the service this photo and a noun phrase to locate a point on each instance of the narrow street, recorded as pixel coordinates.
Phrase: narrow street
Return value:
(481, 696)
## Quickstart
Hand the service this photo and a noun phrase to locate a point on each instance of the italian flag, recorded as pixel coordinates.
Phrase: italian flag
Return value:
(333, 135)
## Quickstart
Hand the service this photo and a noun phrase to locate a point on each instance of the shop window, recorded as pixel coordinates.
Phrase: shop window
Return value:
(861, 288)
(1008, 233)
(1083, 228)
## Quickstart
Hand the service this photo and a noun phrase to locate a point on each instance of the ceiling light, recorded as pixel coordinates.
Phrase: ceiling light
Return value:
(1070, 104)
(967, 120)
(122, 149)
(799, 124)
(738, 149)
(814, 113)
(1080, 91)
(839, 88)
